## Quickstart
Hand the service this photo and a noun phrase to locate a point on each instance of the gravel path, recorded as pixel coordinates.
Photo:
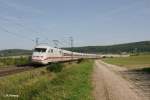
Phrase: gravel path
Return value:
(109, 85)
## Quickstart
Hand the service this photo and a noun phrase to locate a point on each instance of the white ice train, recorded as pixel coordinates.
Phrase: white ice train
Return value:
(44, 54)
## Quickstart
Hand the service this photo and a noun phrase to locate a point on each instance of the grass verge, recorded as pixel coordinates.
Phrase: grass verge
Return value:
(140, 61)
(72, 83)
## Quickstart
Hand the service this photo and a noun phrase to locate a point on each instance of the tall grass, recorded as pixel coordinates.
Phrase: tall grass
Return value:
(72, 83)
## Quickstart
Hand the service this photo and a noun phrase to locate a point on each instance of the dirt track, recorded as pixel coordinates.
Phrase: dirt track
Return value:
(109, 85)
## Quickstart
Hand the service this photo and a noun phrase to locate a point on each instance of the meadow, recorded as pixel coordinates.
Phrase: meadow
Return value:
(72, 83)
(138, 61)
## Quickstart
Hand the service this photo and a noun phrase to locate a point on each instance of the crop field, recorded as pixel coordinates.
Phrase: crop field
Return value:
(13, 61)
(72, 83)
(140, 61)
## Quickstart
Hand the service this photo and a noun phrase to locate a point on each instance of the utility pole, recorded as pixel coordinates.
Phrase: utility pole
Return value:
(71, 44)
(37, 41)
(56, 43)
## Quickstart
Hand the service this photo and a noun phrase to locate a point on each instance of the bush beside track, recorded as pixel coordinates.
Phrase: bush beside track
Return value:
(55, 67)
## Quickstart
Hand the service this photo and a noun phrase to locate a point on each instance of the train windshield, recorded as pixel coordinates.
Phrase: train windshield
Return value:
(40, 50)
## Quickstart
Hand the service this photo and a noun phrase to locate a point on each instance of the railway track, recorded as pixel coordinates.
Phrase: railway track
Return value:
(4, 71)
(12, 70)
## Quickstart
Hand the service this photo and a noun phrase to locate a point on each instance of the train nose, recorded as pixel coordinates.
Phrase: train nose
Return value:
(38, 57)
(41, 57)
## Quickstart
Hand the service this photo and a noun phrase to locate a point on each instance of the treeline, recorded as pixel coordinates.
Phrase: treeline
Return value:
(14, 52)
(128, 48)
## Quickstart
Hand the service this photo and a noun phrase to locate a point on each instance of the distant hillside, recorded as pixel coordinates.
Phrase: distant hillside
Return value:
(14, 52)
(143, 46)
(128, 47)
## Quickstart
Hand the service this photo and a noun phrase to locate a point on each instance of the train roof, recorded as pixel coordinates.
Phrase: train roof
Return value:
(64, 51)
(49, 47)
(42, 46)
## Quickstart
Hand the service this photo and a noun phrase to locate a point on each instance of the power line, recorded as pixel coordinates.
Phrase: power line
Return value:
(56, 43)
(20, 25)
(37, 41)
(24, 27)
(61, 43)
(71, 44)
(15, 34)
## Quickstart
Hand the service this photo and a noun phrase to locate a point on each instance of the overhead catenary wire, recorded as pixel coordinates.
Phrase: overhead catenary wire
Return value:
(22, 36)
(21, 25)
(15, 34)
(61, 43)
(24, 27)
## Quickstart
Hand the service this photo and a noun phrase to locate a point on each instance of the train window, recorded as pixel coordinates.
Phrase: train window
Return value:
(40, 50)
(52, 50)
(49, 51)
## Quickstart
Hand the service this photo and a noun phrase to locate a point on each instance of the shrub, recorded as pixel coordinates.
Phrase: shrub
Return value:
(80, 60)
(55, 67)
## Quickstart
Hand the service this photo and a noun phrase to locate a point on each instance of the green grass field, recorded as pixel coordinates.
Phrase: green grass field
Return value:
(140, 61)
(72, 83)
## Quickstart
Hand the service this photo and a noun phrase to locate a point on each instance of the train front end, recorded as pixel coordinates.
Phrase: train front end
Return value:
(39, 55)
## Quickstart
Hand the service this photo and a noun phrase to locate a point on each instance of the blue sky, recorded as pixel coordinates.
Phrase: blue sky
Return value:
(89, 22)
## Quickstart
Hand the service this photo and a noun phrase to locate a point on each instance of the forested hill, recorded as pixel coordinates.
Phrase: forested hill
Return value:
(143, 46)
(14, 52)
(128, 47)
